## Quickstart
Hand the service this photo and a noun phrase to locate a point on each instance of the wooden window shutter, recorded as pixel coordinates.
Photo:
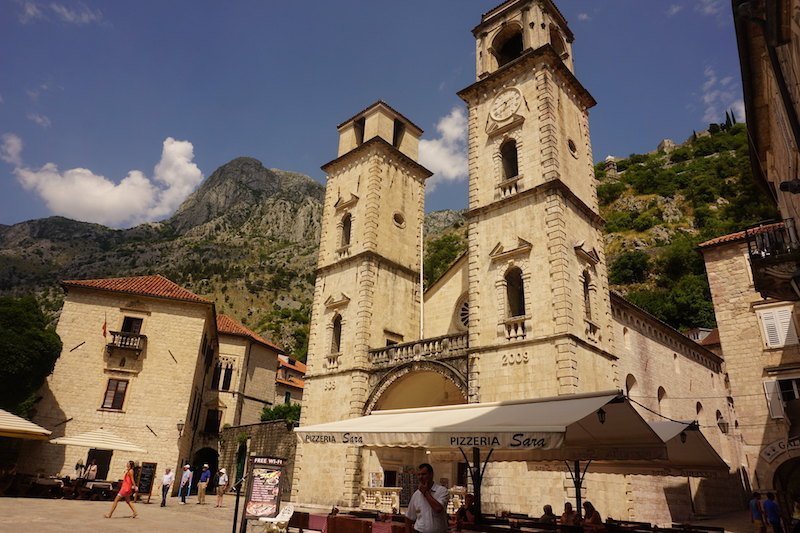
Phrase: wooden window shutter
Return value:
(774, 400)
(769, 324)
(786, 327)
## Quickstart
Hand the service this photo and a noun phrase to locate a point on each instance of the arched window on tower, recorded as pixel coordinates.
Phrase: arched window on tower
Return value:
(336, 337)
(662, 395)
(630, 384)
(558, 42)
(515, 292)
(347, 222)
(587, 295)
(507, 45)
(508, 154)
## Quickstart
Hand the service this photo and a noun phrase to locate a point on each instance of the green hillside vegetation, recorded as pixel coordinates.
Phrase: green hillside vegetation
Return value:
(707, 188)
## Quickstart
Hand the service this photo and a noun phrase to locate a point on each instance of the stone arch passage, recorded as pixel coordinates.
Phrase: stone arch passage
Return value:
(418, 384)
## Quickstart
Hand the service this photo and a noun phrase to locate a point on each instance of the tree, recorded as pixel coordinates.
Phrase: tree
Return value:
(28, 352)
(440, 254)
(629, 267)
(284, 411)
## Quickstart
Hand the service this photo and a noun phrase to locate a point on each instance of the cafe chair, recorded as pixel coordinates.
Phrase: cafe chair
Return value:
(280, 523)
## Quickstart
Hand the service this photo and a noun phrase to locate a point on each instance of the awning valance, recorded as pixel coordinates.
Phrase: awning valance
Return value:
(101, 440)
(597, 426)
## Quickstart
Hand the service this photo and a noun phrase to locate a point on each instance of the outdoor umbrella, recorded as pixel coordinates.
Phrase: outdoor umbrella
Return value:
(99, 439)
(19, 428)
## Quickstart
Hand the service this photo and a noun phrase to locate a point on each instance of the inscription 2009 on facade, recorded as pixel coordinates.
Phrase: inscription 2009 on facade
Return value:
(515, 359)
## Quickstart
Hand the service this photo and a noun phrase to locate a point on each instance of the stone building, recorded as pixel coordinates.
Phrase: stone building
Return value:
(526, 312)
(289, 380)
(138, 360)
(762, 354)
(768, 36)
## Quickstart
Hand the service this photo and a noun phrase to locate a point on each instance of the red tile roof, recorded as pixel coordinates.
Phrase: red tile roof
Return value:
(711, 339)
(739, 235)
(297, 365)
(293, 382)
(229, 326)
(156, 286)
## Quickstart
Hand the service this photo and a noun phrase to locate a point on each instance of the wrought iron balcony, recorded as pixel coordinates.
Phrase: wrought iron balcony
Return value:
(437, 348)
(774, 252)
(121, 340)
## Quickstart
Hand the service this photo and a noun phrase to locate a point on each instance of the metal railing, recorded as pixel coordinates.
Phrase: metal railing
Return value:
(127, 341)
(772, 240)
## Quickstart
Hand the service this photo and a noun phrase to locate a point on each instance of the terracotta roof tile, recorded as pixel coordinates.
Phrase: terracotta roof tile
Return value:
(739, 235)
(156, 286)
(294, 382)
(229, 326)
(297, 365)
(711, 339)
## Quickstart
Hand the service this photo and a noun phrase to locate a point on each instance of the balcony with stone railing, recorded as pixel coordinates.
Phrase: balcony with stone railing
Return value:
(121, 340)
(435, 348)
(774, 251)
(515, 328)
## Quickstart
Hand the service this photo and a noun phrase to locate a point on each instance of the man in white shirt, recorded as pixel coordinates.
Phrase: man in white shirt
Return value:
(427, 510)
(166, 483)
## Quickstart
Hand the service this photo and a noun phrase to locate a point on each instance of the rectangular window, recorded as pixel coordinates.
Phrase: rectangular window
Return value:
(132, 325)
(777, 326)
(213, 418)
(226, 378)
(115, 394)
(287, 397)
(215, 377)
(790, 389)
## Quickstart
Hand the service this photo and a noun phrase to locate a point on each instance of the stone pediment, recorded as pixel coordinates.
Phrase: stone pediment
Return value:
(499, 252)
(494, 127)
(335, 301)
(344, 203)
(590, 256)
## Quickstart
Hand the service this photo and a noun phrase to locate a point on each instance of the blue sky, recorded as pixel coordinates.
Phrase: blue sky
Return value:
(113, 112)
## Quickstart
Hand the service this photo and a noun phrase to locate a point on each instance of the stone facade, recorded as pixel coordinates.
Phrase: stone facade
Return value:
(525, 313)
(289, 380)
(164, 349)
(762, 423)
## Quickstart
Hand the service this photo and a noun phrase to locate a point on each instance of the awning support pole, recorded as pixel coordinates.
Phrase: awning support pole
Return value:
(476, 472)
(577, 480)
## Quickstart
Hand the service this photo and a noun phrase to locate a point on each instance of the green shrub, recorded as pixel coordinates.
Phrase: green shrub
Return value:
(284, 411)
(610, 191)
(629, 267)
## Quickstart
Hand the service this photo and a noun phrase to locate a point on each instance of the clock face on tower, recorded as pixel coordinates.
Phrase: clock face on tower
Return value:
(505, 104)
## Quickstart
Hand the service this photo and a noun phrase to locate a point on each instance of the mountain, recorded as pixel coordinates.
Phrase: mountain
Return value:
(248, 237)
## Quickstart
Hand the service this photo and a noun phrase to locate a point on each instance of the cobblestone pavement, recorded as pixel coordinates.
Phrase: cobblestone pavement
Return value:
(29, 515)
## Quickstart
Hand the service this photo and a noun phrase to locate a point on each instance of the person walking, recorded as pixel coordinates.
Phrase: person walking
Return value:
(205, 476)
(222, 486)
(773, 513)
(757, 513)
(427, 509)
(125, 491)
(186, 484)
(166, 484)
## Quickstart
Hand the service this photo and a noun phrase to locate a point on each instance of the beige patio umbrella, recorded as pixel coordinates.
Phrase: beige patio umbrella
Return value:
(99, 439)
(18, 428)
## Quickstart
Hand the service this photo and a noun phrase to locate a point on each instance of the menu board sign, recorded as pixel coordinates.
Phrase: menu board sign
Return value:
(147, 474)
(264, 494)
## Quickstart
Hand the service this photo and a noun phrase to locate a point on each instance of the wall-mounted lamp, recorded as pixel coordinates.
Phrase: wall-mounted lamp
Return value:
(601, 415)
(683, 437)
(181, 425)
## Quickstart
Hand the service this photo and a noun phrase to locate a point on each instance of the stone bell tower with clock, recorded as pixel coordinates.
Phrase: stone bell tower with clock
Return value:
(540, 314)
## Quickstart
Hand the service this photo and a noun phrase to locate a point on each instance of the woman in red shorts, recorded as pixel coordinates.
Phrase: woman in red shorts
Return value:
(125, 491)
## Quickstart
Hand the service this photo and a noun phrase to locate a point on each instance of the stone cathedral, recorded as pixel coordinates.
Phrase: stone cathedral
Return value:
(526, 312)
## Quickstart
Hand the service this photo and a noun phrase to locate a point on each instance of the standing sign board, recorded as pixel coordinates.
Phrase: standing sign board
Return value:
(264, 489)
(145, 480)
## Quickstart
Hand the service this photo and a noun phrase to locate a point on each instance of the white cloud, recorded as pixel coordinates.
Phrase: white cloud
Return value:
(446, 156)
(29, 11)
(583, 17)
(39, 119)
(81, 194)
(738, 110)
(673, 10)
(11, 149)
(710, 7)
(719, 95)
(80, 14)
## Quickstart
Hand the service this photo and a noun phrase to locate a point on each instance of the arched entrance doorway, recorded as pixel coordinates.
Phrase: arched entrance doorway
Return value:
(203, 456)
(415, 385)
(787, 482)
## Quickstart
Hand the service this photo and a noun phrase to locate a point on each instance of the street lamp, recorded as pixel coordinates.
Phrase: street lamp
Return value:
(601, 415)
(181, 425)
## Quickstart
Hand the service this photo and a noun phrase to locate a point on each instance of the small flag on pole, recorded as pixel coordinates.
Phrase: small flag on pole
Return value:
(105, 326)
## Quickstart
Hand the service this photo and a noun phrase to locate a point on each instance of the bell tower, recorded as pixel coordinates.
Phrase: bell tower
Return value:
(367, 288)
(540, 314)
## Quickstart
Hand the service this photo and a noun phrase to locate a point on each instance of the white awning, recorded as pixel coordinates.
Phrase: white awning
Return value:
(597, 426)
(99, 439)
(16, 427)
